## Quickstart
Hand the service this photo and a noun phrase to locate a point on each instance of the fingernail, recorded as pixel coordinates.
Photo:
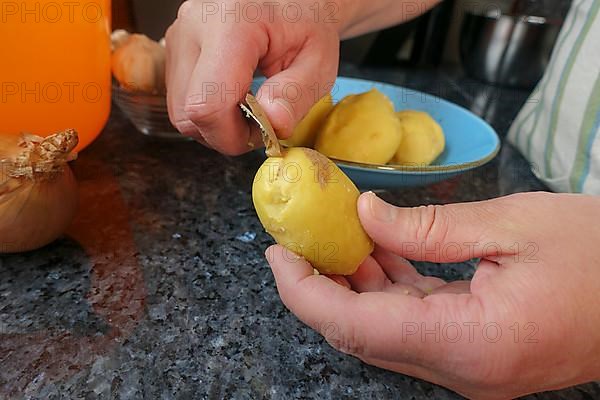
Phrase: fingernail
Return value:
(270, 254)
(286, 106)
(380, 210)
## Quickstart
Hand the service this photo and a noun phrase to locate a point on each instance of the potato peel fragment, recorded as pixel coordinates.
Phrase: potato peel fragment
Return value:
(254, 111)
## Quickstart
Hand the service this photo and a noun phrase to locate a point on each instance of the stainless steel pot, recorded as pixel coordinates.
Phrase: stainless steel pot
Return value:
(507, 50)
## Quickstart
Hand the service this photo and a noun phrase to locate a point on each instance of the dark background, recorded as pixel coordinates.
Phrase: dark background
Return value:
(429, 40)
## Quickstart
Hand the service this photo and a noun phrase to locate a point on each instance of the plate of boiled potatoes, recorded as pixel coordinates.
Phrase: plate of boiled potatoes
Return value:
(384, 136)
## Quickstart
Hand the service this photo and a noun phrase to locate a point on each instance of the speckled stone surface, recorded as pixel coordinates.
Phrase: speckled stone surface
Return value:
(161, 290)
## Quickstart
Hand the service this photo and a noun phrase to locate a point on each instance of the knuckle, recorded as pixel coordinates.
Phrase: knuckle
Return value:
(201, 112)
(184, 127)
(187, 128)
(185, 9)
(182, 123)
(173, 118)
(170, 32)
(346, 340)
(431, 224)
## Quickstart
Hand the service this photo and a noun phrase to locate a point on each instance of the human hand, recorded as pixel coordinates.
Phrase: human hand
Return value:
(213, 50)
(527, 322)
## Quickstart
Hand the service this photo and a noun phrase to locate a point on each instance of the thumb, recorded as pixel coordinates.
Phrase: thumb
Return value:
(443, 234)
(289, 93)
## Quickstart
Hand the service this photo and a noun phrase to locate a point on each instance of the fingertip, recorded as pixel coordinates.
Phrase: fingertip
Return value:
(305, 293)
(293, 268)
(270, 253)
(288, 267)
(187, 128)
(364, 201)
(369, 277)
(225, 131)
(281, 115)
(364, 206)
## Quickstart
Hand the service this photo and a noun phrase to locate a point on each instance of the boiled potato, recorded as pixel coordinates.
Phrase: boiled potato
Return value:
(423, 139)
(309, 206)
(306, 131)
(361, 128)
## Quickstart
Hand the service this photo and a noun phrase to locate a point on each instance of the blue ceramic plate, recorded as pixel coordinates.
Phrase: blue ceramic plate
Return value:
(470, 141)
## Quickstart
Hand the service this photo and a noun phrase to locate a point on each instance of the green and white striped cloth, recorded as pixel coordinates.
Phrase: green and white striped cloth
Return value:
(558, 128)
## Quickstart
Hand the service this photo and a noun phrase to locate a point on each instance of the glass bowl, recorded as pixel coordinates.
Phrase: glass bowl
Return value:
(147, 112)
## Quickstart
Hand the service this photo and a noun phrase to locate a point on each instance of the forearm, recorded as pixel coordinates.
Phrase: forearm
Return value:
(363, 16)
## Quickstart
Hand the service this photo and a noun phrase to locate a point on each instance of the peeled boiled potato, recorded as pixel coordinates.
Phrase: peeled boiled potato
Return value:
(361, 128)
(306, 131)
(423, 139)
(309, 206)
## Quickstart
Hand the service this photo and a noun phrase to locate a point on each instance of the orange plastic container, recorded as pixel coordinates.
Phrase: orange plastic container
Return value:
(55, 69)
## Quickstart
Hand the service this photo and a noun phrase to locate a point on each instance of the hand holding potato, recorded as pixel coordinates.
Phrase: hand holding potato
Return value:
(527, 322)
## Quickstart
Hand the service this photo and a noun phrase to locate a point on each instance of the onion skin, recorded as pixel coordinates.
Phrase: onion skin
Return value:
(38, 213)
(38, 191)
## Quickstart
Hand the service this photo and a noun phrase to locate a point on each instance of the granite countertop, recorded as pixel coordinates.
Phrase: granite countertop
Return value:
(161, 291)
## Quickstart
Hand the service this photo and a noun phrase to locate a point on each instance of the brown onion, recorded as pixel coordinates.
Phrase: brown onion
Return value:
(38, 192)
